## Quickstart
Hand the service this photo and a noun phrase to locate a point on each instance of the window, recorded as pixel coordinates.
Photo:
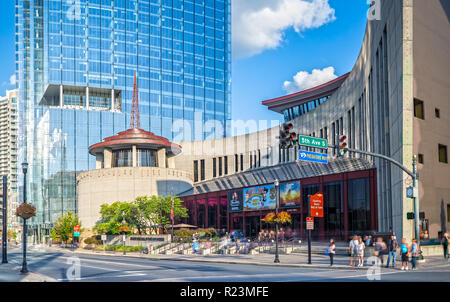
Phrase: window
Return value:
(220, 166)
(195, 170)
(420, 158)
(202, 169)
(443, 154)
(448, 213)
(251, 160)
(419, 109)
(225, 162)
(214, 167)
(242, 162)
(437, 112)
(236, 163)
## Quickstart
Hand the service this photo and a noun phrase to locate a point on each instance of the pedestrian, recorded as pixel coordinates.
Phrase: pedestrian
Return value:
(379, 249)
(208, 247)
(414, 253)
(353, 249)
(393, 245)
(369, 241)
(195, 246)
(238, 246)
(404, 249)
(445, 245)
(331, 251)
(360, 252)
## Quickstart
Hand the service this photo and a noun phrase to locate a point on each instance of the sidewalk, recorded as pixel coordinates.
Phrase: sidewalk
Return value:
(10, 272)
(290, 260)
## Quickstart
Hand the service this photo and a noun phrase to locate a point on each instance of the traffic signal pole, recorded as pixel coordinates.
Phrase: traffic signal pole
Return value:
(413, 174)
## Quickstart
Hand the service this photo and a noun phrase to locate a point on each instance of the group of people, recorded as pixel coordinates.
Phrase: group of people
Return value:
(358, 245)
(283, 234)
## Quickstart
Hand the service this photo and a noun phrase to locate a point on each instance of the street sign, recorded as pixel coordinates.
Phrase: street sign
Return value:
(313, 157)
(103, 237)
(312, 142)
(76, 231)
(317, 205)
(410, 192)
(410, 215)
(309, 223)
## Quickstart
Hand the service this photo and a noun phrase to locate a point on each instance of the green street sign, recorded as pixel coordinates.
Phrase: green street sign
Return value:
(312, 142)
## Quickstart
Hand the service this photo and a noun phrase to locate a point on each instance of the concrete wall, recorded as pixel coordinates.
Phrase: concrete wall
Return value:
(97, 187)
(432, 86)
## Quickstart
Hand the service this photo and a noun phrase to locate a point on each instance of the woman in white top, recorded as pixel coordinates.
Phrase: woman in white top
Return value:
(360, 251)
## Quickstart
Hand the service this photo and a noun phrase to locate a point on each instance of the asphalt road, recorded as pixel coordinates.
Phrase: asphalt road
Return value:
(98, 268)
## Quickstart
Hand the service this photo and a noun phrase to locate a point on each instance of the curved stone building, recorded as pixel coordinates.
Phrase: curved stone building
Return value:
(130, 164)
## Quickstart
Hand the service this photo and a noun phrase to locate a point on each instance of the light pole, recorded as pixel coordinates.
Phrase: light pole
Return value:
(24, 243)
(123, 232)
(277, 258)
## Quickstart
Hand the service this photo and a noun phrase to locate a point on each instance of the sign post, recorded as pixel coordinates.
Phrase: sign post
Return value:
(76, 234)
(104, 242)
(309, 218)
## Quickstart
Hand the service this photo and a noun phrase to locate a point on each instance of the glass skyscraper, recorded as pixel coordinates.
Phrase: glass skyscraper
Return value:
(75, 62)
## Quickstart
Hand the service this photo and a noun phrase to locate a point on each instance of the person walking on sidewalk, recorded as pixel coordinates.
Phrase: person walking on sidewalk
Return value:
(360, 252)
(353, 250)
(404, 249)
(380, 247)
(331, 251)
(393, 245)
(414, 253)
(445, 245)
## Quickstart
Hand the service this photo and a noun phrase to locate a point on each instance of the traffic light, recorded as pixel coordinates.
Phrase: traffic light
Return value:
(288, 137)
(342, 145)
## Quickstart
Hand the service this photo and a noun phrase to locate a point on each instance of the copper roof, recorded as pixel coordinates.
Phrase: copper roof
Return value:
(141, 138)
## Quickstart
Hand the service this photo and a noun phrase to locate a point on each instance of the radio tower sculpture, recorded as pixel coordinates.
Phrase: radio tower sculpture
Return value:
(134, 122)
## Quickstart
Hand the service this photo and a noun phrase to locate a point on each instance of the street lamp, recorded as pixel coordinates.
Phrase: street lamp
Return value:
(277, 185)
(123, 232)
(24, 243)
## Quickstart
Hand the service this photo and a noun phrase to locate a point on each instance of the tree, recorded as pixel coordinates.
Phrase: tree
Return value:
(143, 212)
(64, 225)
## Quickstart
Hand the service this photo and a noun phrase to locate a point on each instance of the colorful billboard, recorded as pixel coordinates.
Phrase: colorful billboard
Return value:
(290, 195)
(235, 201)
(260, 198)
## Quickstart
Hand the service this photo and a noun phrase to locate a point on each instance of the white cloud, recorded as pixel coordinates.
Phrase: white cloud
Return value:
(12, 79)
(260, 24)
(304, 80)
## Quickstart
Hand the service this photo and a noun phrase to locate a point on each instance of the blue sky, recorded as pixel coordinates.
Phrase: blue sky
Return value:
(331, 38)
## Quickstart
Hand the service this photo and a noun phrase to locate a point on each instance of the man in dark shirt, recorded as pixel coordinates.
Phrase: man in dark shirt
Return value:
(393, 245)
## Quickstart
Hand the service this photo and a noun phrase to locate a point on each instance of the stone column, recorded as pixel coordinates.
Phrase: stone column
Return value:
(107, 158)
(162, 158)
(99, 161)
(134, 156)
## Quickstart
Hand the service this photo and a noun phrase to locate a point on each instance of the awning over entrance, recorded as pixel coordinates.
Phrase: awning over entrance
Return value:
(282, 172)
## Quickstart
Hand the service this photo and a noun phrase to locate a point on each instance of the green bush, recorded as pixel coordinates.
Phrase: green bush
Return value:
(202, 233)
(92, 240)
(119, 248)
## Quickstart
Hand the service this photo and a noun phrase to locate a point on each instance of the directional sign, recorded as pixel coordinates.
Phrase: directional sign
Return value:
(104, 237)
(309, 223)
(317, 205)
(313, 157)
(312, 142)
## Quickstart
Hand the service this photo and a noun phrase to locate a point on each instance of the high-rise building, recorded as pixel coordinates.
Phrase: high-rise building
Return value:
(8, 152)
(75, 62)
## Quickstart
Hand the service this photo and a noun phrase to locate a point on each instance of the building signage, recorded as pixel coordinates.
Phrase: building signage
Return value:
(313, 157)
(317, 205)
(312, 142)
(260, 198)
(235, 201)
(290, 194)
(310, 223)
(76, 231)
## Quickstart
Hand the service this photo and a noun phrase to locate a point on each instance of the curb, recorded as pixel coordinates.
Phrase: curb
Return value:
(227, 261)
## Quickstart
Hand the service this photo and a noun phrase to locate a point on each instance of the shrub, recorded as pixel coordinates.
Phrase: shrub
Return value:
(92, 240)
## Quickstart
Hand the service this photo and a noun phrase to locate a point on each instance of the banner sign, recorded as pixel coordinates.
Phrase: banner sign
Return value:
(235, 201)
(290, 195)
(260, 198)
(317, 205)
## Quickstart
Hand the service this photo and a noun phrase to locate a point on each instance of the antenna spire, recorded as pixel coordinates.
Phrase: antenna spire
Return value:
(134, 122)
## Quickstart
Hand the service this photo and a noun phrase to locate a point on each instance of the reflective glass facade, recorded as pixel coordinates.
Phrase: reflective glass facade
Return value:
(75, 62)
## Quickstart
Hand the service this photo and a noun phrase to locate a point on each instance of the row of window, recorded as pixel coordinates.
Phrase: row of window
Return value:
(419, 110)
(442, 155)
(296, 111)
